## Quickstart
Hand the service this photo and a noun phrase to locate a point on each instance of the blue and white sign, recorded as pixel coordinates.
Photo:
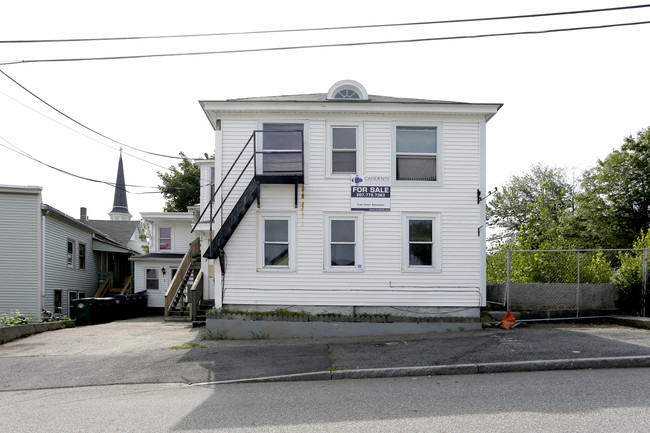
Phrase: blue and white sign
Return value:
(370, 192)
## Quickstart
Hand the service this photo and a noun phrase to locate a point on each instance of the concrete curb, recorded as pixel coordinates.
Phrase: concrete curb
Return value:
(9, 333)
(438, 370)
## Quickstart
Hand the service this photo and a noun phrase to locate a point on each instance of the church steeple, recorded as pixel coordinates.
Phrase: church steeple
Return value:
(120, 210)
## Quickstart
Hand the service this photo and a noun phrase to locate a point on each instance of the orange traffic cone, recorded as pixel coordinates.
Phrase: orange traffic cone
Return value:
(508, 320)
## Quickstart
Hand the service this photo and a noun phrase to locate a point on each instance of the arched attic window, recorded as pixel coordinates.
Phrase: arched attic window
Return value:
(347, 90)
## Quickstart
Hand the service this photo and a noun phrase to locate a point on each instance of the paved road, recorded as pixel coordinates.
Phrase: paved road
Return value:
(149, 350)
(557, 401)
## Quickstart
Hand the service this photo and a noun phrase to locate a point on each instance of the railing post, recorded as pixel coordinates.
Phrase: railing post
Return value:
(254, 154)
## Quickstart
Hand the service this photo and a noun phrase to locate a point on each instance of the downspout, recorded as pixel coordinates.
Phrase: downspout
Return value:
(42, 270)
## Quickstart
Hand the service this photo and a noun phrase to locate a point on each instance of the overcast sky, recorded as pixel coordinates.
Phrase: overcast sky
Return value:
(569, 97)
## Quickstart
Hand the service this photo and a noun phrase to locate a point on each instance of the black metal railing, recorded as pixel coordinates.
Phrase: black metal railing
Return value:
(281, 153)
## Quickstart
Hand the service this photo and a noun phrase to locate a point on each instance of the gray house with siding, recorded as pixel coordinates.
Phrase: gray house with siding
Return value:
(48, 258)
(21, 250)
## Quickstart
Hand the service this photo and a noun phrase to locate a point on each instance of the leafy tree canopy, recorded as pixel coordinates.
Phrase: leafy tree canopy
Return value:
(609, 209)
(614, 206)
(543, 192)
(181, 186)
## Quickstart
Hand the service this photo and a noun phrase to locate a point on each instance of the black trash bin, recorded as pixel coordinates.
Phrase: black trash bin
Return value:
(121, 307)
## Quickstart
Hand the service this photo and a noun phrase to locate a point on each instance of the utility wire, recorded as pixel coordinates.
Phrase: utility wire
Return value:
(314, 29)
(334, 45)
(80, 133)
(86, 127)
(23, 153)
(26, 155)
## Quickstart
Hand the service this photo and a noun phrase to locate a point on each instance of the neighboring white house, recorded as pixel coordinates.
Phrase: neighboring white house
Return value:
(349, 203)
(169, 235)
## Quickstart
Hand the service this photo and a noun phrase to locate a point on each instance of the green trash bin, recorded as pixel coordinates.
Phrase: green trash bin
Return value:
(83, 308)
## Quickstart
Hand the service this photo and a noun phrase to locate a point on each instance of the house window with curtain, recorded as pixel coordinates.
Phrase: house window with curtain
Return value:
(165, 238)
(416, 153)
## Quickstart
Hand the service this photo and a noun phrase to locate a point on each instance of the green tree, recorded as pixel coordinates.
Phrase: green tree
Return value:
(181, 186)
(614, 206)
(543, 192)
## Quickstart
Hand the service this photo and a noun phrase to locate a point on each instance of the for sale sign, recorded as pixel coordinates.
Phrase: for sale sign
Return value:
(370, 193)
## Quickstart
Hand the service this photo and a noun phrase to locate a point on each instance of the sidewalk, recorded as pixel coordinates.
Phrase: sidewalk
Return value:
(528, 347)
(149, 350)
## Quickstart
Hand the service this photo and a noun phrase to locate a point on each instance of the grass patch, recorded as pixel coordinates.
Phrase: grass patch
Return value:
(216, 335)
(259, 335)
(189, 346)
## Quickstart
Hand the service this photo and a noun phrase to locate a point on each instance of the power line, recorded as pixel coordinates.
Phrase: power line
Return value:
(86, 127)
(333, 45)
(23, 153)
(314, 29)
(80, 133)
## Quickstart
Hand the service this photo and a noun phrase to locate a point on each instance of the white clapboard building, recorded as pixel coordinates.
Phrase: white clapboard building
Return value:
(345, 202)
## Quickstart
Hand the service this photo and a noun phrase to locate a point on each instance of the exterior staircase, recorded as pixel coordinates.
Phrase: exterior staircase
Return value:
(248, 197)
(182, 291)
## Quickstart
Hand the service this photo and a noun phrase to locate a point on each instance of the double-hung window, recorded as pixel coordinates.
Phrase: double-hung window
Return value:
(344, 150)
(70, 256)
(420, 248)
(165, 238)
(416, 152)
(343, 248)
(152, 282)
(276, 242)
(82, 256)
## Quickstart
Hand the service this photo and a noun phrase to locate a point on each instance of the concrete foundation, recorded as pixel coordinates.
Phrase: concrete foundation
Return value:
(300, 327)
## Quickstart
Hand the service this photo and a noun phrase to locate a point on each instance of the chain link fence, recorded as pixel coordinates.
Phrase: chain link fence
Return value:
(568, 283)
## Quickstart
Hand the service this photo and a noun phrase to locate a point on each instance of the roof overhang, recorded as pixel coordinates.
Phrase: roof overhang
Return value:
(217, 109)
(101, 245)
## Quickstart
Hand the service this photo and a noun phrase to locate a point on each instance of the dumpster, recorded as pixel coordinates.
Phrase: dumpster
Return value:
(91, 311)
(122, 309)
(82, 310)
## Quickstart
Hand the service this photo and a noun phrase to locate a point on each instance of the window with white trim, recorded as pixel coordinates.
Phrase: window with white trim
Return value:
(152, 281)
(420, 245)
(276, 242)
(344, 150)
(417, 152)
(282, 147)
(82, 256)
(343, 243)
(164, 238)
(70, 256)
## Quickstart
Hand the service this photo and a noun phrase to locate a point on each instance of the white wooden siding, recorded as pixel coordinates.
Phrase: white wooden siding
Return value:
(20, 257)
(155, 298)
(382, 282)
